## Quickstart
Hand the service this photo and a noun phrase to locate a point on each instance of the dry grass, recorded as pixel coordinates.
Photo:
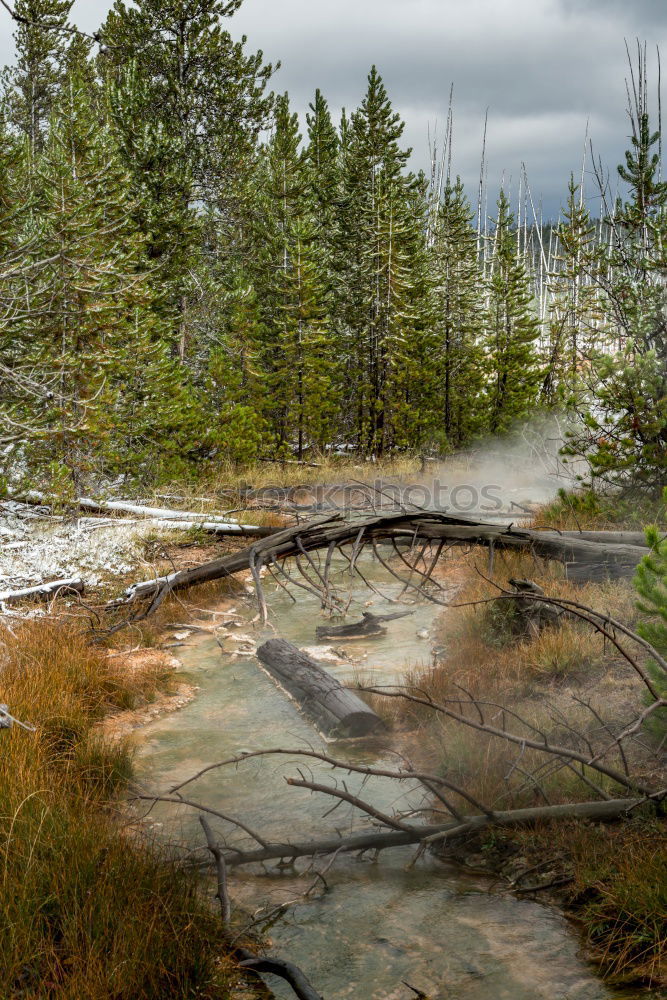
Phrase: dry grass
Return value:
(219, 489)
(87, 911)
(618, 891)
(327, 470)
(481, 649)
(588, 511)
(534, 676)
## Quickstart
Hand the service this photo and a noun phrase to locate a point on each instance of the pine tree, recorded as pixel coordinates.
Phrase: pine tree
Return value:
(201, 86)
(293, 280)
(513, 372)
(383, 254)
(19, 387)
(206, 102)
(87, 326)
(12, 196)
(236, 385)
(651, 585)
(322, 165)
(459, 310)
(160, 193)
(33, 84)
(624, 427)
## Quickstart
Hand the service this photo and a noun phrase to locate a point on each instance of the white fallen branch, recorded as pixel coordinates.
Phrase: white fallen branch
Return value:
(7, 721)
(160, 517)
(43, 590)
(212, 527)
(125, 507)
(162, 513)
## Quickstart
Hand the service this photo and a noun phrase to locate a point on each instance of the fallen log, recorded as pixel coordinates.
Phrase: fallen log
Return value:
(372, 840)
(160, 516)
(336, 710)
(43, 591)
(370, 626)
(213, 527)
(585, 560)
(609, 537)
(161, 513)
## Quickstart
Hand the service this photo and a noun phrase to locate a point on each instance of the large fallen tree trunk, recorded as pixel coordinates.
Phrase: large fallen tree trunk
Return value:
(607, 537)
(584, 560)
(43, 591)
(381, 840)
(336, 710)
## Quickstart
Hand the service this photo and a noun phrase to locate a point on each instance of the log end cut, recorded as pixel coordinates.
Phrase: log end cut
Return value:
(356, 724)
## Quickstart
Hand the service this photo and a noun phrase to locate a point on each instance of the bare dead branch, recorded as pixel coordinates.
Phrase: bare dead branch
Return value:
(180, 801)
(370, 810)
(221, 870)
(385, 839)
(543, 747)
(349, 766)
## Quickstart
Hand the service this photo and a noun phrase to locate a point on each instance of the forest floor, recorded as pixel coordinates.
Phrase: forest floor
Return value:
(611, 878)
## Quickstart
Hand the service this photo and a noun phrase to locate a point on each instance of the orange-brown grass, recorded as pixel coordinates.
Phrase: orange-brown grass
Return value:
(483, 658)
(87, 911)
(482, 651)
(327, 470)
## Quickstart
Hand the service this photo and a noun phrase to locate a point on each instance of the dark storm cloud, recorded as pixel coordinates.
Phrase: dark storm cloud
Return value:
(544, 68)
(643, 12)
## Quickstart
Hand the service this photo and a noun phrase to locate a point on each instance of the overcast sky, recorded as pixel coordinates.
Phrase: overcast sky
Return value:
(544, 68)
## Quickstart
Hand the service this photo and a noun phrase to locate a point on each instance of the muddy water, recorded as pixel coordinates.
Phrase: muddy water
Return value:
(379, 924)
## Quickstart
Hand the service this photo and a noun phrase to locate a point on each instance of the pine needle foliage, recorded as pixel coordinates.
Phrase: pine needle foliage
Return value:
(651, 585)
(190, 275)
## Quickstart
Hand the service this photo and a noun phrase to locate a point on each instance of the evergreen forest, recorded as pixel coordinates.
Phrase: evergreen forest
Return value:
(189, 273)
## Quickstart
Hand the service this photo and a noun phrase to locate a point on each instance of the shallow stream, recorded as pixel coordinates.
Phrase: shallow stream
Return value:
(381, 924)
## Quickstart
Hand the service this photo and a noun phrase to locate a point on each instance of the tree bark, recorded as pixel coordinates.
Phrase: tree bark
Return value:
(335, 710)
(372, 840)
(609, 537)
(585, 560)
(43, 591)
